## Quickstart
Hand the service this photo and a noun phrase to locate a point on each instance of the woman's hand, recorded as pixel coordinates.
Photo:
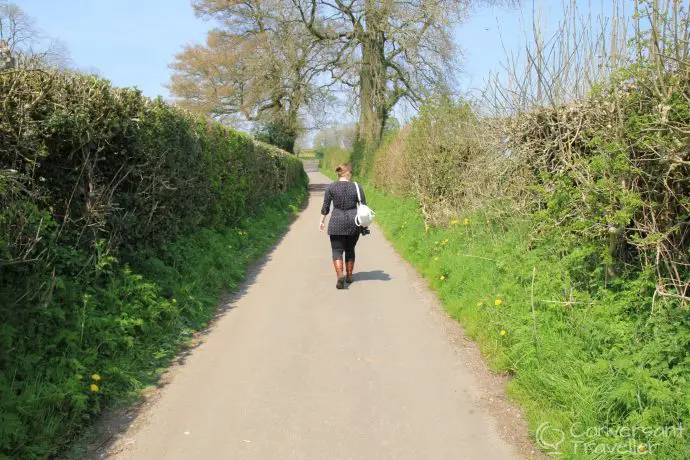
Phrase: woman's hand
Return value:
(322, 226)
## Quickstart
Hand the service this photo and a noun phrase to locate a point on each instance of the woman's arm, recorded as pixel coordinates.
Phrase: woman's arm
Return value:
(325, 209)
(361, 192)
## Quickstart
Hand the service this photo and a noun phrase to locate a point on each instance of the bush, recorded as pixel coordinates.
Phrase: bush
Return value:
(580, 360)
(277, 134)
(111, 204)
(608, 175)
(331, 157)
(594, 195)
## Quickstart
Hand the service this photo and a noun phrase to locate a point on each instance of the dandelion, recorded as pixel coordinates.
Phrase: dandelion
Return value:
(498, 302)
(93, 387)
(466, 221)
(445, 241)
(454, 222)
(96, 377)
(642, 448)
(503, 332)
(442, 277)
(426, 227)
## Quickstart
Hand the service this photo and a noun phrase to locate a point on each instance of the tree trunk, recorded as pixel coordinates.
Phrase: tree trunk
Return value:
(372, 86)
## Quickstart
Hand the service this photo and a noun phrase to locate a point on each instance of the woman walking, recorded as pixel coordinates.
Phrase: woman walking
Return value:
(342, 229)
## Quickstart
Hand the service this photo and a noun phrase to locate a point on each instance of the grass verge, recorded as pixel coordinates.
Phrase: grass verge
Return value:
(597, 376)
(140, 314)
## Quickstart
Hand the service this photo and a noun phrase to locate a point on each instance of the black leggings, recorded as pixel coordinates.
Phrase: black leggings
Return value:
(344, 243)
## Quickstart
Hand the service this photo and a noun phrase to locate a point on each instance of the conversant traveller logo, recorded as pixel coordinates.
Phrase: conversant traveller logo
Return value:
(550, 438)
(597, 440)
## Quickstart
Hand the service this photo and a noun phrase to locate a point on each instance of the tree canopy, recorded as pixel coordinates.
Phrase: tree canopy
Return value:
(271, 59)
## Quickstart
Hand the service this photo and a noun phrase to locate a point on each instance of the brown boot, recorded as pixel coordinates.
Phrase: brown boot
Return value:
(338, 264)
(349, 267)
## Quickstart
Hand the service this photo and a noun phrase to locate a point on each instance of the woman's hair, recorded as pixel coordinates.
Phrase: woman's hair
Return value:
(343, 169)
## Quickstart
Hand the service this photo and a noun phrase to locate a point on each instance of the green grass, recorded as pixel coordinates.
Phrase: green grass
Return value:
(577, 368)
(132, 320)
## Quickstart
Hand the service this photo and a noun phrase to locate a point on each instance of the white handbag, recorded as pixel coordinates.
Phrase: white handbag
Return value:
(365, 216)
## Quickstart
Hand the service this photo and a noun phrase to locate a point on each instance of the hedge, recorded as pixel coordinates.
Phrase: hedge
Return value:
(96, 183)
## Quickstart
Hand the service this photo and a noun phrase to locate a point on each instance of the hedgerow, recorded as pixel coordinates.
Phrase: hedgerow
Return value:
(107, 200)
(559, 235)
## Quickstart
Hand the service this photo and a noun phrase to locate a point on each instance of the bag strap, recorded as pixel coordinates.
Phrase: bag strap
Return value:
(359, 196)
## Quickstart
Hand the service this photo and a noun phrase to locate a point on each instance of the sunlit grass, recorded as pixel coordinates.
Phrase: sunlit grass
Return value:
(574, 364)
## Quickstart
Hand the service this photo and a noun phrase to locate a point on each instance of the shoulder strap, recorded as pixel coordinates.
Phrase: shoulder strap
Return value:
(359, 196)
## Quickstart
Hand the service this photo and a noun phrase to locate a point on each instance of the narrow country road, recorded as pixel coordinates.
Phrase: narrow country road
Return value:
(297, 370)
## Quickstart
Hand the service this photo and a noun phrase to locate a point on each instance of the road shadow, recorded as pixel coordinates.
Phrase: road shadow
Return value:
(316, 193)
(317, 188)
(373, 275)
(311, 165)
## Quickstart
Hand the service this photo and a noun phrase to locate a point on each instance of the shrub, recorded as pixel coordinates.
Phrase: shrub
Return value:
(593, 194)
(580, 359)
(278, 134)
(106, 199)
(331, 157)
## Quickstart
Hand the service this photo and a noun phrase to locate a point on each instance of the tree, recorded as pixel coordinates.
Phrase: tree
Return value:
(276, 134)
(259, 65)
(267, 57)
(7, 61)
(25, 43)
(387, 50)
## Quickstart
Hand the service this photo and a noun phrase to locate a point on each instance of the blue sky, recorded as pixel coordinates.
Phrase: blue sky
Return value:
(129, 42)
(132, 42)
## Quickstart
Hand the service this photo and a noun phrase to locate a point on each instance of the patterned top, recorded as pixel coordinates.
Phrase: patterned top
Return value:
(344, 197)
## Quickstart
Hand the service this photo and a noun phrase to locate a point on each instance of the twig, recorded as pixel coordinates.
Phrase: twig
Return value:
(478, 257)
(534, 314)
(567, 303)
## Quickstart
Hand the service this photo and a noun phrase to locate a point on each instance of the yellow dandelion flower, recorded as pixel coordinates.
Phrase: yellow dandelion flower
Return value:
(454, 222)
(498, 302)
(466, 221)
(443, 277)
(642, 448)
(445, 241)
(93, 387)
(95, 377)
(502, 333)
